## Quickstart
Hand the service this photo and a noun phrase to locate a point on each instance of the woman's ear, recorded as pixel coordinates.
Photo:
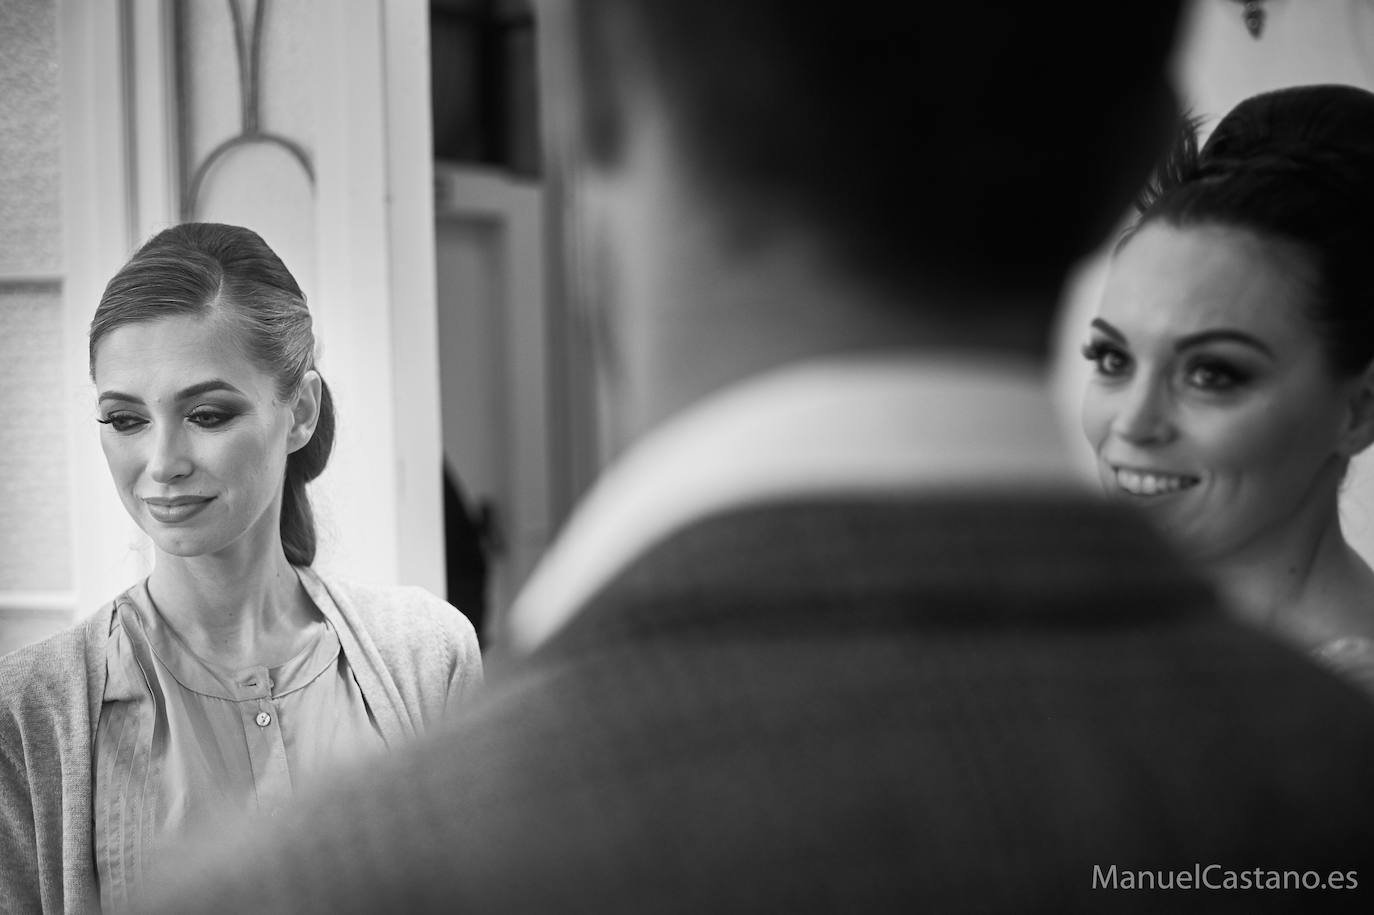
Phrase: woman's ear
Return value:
(1359, 426)
(305, 412)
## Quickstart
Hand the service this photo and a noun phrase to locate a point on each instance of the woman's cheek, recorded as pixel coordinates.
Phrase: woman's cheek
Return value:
(1095, 416)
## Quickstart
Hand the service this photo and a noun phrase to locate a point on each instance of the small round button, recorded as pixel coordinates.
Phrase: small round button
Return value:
(263, 719)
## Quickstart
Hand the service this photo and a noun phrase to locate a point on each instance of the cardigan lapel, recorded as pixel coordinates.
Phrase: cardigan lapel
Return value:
(79, 891)
(379, 690)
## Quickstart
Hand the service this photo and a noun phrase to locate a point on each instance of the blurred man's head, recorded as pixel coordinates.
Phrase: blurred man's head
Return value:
(948, 160)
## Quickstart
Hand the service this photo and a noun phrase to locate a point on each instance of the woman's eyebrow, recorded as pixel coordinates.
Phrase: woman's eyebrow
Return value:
(119, 395)
(1109, 330)
(1223, 335)
(214, 384)
(1214, 335)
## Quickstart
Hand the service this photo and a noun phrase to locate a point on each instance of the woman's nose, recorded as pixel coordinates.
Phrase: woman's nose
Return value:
(1145, 414)
(170, 460)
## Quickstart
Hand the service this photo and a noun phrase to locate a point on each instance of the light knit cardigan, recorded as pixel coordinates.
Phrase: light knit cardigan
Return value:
(414, 656)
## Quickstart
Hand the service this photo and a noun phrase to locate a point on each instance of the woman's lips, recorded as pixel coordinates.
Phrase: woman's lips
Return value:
(177, 509)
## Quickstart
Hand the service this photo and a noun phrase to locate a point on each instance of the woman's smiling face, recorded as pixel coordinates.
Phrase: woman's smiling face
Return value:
(1212, 403)
(193, 433)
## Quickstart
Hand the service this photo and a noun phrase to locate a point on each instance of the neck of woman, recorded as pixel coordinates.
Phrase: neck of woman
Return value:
(1303, 582)
(243, 608)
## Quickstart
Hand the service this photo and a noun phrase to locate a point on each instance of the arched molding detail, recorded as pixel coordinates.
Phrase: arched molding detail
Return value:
(248, 53)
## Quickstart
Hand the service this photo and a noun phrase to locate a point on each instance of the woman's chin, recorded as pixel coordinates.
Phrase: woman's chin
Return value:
(181, 547)
(184, 543)
(1184, 536)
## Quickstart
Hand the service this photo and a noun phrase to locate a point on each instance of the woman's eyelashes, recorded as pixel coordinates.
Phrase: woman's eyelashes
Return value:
(209, 417)
(202, 417)
(1202, 372)
(1109, 359)
(1215, 375)
(121, 421)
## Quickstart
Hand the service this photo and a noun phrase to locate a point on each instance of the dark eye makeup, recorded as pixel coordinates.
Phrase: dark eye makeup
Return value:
(122, 422)
(1111, 360)
(203, 417)
(1218, 375)
(210, 417)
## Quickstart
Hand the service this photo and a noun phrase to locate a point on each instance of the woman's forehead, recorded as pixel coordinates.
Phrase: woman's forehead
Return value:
(166, 355)
(1169, 280)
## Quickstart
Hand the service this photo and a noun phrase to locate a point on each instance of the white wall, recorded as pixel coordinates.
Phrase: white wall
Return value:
(35, 554)
(1217, 65)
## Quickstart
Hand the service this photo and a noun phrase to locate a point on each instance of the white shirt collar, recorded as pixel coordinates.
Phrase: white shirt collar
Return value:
(849, 426)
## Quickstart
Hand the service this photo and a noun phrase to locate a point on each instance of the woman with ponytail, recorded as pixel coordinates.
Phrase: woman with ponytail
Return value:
(1233, 355)
(235, 675)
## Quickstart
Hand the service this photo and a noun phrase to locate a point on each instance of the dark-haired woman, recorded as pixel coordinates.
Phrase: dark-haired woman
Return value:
(234, 675)
(1234, 361)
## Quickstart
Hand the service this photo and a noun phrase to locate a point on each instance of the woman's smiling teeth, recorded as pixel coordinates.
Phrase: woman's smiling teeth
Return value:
(1150, 483)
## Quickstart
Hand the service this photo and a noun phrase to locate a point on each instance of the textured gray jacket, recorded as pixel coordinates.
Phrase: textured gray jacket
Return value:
(414, 656)
(893, 704)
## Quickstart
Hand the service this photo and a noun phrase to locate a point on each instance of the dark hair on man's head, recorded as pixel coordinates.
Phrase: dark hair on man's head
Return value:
(1294, 166)
(970, 143)
(204, 268)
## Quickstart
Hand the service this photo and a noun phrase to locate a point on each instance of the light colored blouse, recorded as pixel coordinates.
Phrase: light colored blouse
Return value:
(182, 742)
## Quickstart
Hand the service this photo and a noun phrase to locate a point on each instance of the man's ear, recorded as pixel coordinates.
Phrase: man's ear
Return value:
(1359, 425)
(305, 412)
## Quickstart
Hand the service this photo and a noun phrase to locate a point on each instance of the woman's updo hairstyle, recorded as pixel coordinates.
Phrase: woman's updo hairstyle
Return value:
(1295, 165)
(204, 268)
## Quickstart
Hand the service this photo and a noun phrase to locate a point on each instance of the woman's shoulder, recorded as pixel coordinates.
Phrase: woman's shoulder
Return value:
(394, 610)
(46, 658)
(428, 648)
(51, 670)
(387, 598)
